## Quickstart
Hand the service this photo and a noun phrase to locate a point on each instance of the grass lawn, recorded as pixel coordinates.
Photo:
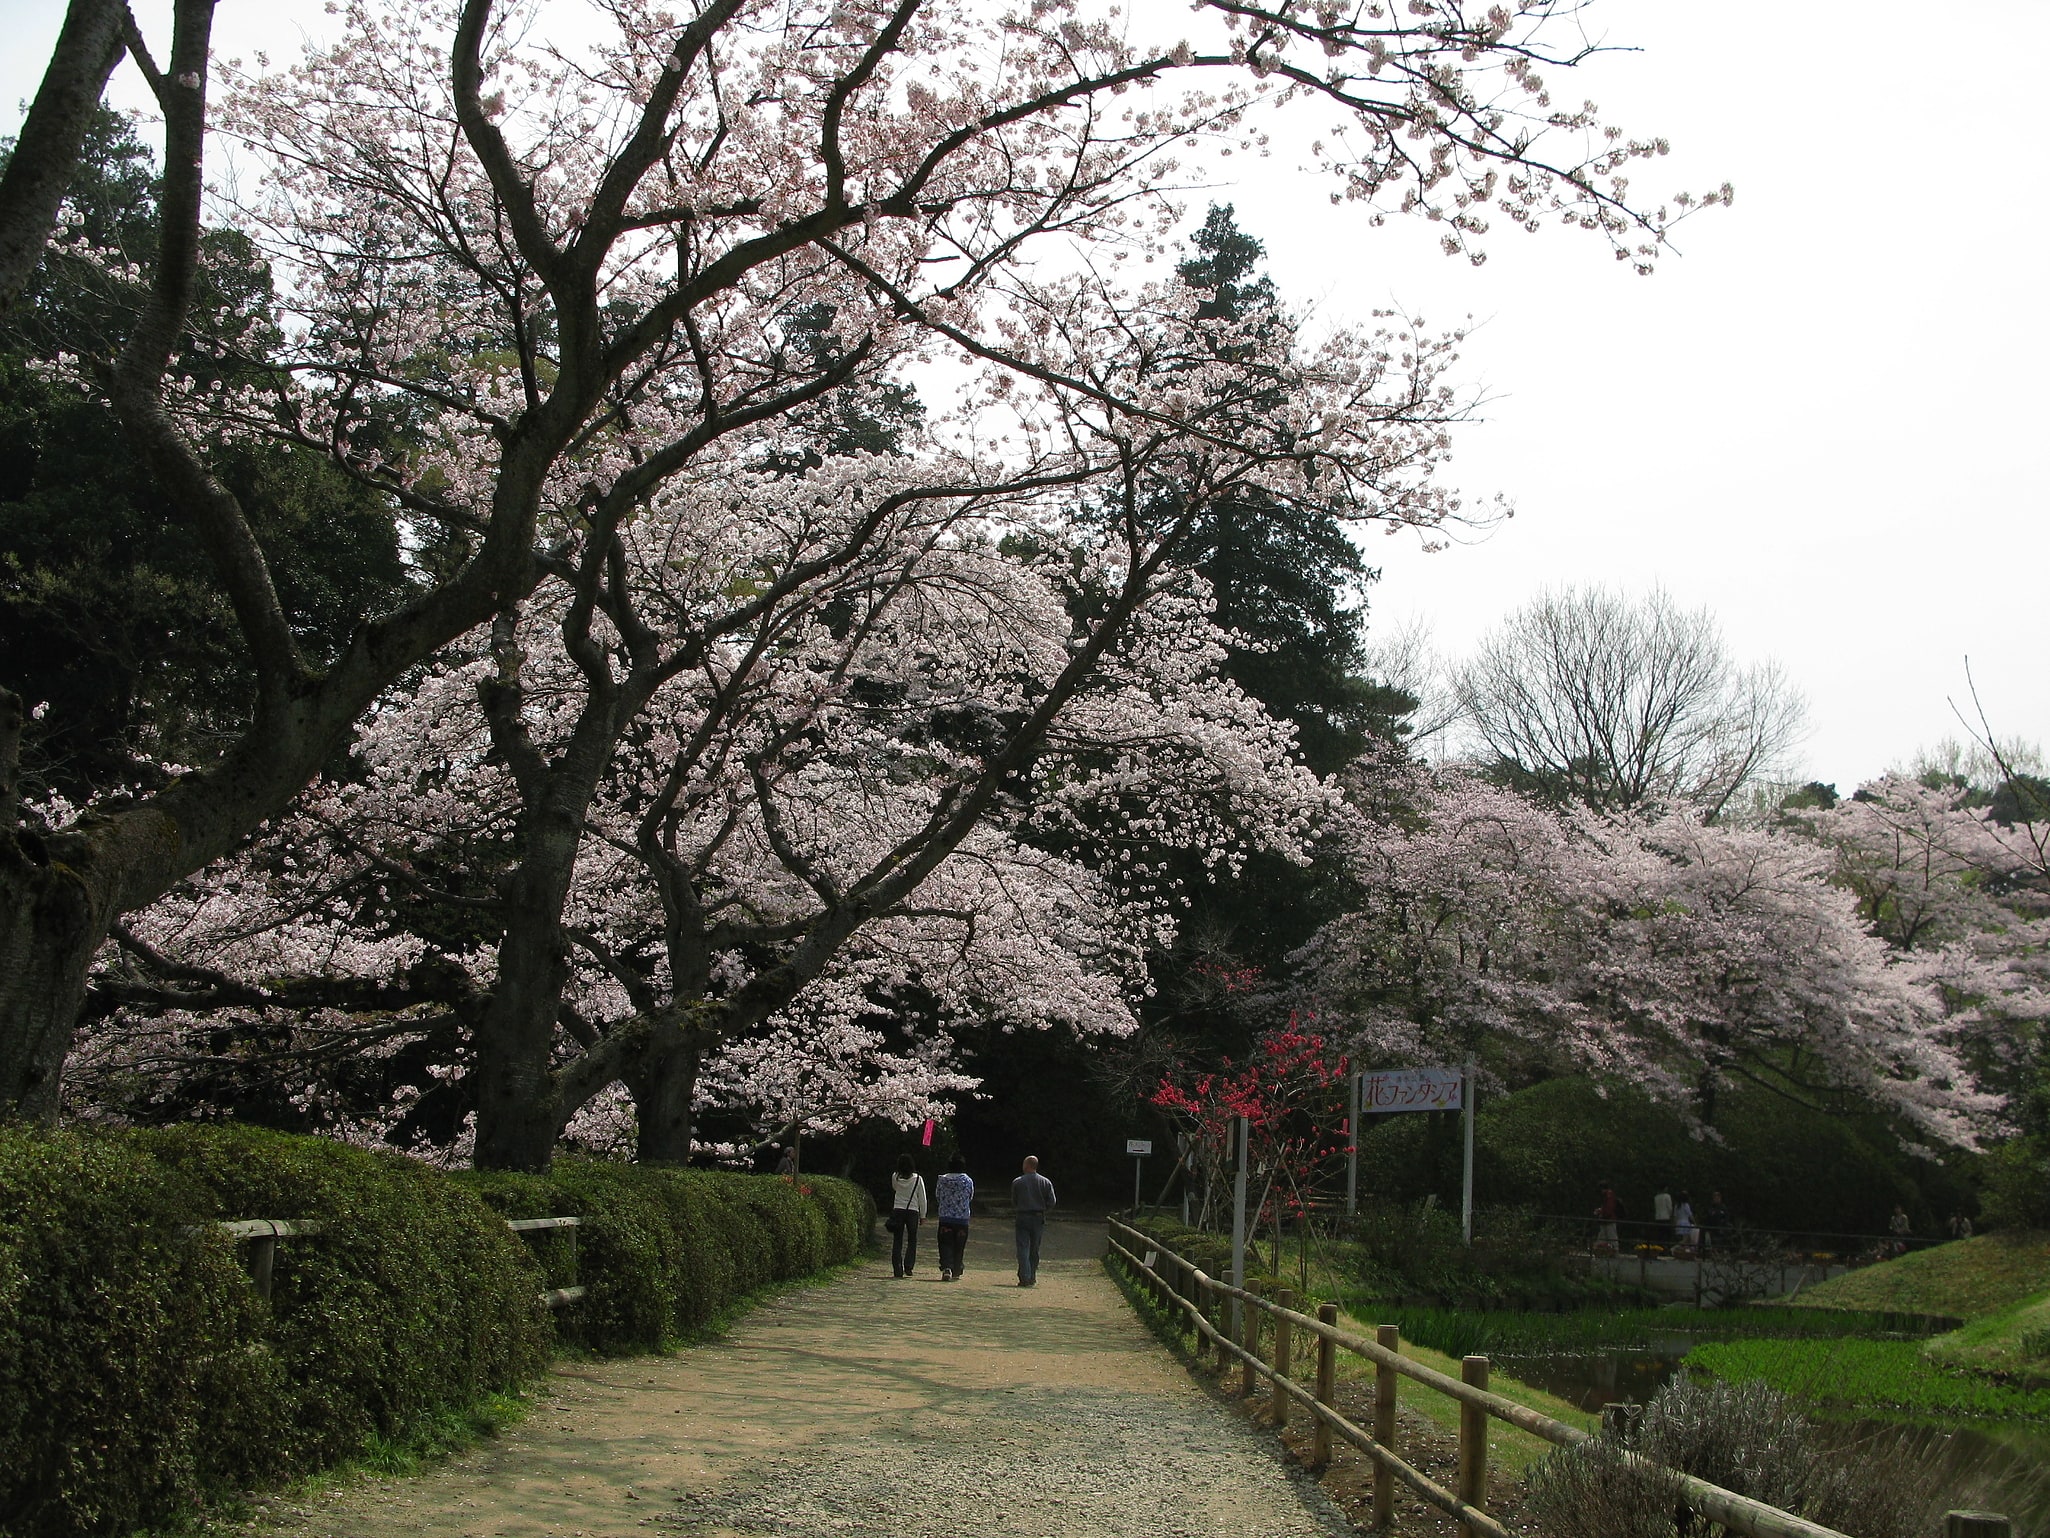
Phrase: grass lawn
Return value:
(1871, 1375)
(1509, 1447)
(1969, 1279)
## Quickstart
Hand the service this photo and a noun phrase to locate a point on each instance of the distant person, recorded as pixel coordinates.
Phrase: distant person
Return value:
(787, 1165)
(907, 1210)
(1717, 1217)
(1683, 1221)
(953, 1193)
(1662, 1213)
(1900, 1228)
(1031, 1199)
(1960, 1226)
(1608, 1210)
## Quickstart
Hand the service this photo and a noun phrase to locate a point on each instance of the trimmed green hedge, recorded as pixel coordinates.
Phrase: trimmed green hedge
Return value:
(662, 1252)
(141, 1375)
(1208, 1252)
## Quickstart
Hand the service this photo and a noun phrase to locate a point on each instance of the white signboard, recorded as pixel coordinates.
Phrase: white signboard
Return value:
(1138, 1148)
(1410, 1089)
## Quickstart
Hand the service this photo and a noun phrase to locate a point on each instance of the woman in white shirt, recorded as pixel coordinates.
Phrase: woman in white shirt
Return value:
(907, 1207)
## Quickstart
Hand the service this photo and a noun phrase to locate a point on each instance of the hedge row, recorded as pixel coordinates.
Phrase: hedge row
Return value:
(663, 1252)
(1208, 1252)
(141, 1374)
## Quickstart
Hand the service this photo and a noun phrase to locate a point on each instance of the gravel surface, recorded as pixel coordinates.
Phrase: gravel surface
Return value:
(1091, 1464)
(868, 1405)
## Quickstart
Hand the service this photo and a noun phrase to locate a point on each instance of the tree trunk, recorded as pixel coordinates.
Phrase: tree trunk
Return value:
(49, 929)
(46, 151)
(664, 1083)
(519, 1108)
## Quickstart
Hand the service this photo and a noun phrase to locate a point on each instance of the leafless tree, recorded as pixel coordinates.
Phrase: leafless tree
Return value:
(1615, 702)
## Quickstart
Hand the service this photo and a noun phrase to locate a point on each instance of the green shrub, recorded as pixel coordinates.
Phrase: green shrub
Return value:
(413, 1298)
(140, 1373)
(2018, 1184)
(128, 1382)
(662, 1252)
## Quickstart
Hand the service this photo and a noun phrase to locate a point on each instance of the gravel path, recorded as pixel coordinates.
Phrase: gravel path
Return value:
(871, 1406)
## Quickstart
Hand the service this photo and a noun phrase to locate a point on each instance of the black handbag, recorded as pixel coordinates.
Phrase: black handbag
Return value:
(895, 1221)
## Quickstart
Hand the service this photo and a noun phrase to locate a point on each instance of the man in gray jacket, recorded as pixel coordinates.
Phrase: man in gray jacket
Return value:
(1031, 1196)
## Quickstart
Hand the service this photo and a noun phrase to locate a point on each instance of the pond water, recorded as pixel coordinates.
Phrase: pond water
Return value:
(1978, 1465)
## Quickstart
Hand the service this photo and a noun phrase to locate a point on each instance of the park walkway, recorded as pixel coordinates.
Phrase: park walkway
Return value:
(869, 1406)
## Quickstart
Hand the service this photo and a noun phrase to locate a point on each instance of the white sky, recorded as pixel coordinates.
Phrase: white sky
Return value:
(1826, 420)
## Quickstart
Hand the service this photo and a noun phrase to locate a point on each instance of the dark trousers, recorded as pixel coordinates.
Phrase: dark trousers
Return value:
(953, 1246)
(1031, 1230)
(904, 1243)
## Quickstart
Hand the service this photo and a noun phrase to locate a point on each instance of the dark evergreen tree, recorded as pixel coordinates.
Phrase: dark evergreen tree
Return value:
(1290, 584)
(110, 617)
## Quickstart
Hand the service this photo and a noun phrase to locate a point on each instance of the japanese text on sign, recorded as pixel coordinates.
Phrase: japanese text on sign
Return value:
(1138, 1148)
(1410, 1089)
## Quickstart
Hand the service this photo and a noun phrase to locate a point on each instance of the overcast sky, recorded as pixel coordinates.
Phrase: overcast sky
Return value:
(1825, 419)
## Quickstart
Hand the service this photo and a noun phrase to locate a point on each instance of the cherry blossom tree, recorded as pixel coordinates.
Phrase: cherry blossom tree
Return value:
(529, 280)
(1656, 951)
(1963, 896)
(781, 824)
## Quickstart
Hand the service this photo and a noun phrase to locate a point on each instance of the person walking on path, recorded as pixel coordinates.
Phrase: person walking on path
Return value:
(1683, 1222)
(907, 1209)
(953, 1192)
(1662, 1214)
(1031, 1197)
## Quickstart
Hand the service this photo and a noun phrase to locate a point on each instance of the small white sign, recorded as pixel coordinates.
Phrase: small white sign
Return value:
(1410, 1089)
(1138, 1148)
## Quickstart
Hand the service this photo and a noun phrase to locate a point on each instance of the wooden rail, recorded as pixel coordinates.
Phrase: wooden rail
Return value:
(1202, 1299)
(262, 1236)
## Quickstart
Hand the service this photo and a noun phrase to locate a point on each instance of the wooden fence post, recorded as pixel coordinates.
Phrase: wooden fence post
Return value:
(1473, 1437)
(1327, 1386)
(1249, 1342)
(1976, 1524)
(1389, 1337)
(1283, 1344)
(263, 1259)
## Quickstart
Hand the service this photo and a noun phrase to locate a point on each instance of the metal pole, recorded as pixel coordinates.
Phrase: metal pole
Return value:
(1466, 1097)
(1138, 1164)
(1352, 1151)
(1244, 1129)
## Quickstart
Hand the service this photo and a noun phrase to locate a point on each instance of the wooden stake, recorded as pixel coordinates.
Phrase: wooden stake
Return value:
(1327, 1386)
(1283, 1345)
(1389, 1337)
(1473, 1437)
(1976, 1524)
(1249, 1342)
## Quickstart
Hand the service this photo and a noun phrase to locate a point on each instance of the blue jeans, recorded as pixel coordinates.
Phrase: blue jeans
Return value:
(1031, 1230)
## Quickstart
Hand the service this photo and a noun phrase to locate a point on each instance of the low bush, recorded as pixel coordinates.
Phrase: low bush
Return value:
(1418, 1249)
(141, 1374)
(1742, 1437)
(1208, 1252)
(663, 1252)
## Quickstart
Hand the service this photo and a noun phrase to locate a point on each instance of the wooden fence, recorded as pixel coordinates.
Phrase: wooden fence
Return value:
(262, 1236)
(1237, 1334)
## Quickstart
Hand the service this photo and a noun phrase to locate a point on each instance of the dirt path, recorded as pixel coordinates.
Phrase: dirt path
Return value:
(871, 1406)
